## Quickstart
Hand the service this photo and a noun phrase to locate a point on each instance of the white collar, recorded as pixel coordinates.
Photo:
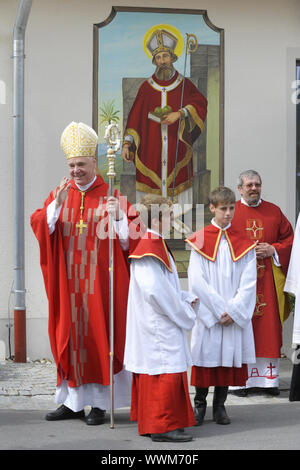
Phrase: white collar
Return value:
(87, 186)
(216, 225)
(253, 205)
(165, 88)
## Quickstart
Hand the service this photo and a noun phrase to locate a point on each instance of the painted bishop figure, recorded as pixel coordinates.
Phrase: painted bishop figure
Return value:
(152, 143)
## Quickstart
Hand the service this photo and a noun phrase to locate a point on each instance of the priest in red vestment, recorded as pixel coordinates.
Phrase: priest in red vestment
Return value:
(265, 223)
(151, 134)
(74, 262)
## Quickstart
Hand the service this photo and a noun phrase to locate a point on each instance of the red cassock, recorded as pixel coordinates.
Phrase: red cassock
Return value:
(76, 276)
(154, 145)
(161, 403)
(266, 223)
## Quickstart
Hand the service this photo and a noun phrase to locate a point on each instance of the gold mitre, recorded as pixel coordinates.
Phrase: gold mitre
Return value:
(78, 140)
(162, 41)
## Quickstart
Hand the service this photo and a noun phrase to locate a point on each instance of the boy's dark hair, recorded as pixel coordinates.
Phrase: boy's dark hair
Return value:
(221, 195)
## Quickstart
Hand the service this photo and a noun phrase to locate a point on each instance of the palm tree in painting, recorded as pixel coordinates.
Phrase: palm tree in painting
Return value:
(108, 113)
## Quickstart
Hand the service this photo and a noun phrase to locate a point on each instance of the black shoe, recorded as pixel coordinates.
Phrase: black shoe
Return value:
(96, 416)
(171, 436)
(219, 413)
(220, 416)
(273, 391)
(199, 414)
(63, 412)
(241, 392)
(200, 405)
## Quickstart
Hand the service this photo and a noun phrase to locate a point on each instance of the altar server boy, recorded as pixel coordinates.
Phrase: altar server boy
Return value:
(222, 273)
(158, 316)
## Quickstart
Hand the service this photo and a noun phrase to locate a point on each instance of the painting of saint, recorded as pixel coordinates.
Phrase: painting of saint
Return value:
(167, 98)
(166, 118)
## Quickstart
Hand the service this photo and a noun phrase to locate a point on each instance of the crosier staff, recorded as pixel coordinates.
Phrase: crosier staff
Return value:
(191, 46)
(112, 138)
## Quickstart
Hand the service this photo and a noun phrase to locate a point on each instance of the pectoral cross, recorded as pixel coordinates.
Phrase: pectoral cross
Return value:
(81, 225)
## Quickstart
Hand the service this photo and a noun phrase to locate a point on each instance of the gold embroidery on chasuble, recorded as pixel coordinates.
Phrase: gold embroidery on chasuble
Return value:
(254, 229)
(81, 247)
(260, 305)
(260, 265)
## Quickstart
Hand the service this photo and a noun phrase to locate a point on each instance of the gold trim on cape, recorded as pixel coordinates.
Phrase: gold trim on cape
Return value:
(214, 256)
(156, 256)
(236, 258)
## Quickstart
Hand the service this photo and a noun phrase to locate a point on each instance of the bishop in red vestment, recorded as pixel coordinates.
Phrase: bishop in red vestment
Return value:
(152, 143)
(74, 262)
(265, 223)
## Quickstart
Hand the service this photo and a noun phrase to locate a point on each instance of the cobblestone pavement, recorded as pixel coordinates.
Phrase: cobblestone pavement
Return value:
(29, 385)
(27, 379)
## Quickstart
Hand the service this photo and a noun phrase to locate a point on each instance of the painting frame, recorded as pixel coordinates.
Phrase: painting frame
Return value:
(98, 30)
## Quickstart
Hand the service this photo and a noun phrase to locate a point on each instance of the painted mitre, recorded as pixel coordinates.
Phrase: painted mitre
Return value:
(79, 140)
(162, 41)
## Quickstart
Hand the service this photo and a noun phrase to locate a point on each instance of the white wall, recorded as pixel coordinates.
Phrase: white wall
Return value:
(259, 38)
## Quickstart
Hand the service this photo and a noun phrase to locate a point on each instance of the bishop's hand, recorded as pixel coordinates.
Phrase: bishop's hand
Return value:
(62, 192)
(113, 207)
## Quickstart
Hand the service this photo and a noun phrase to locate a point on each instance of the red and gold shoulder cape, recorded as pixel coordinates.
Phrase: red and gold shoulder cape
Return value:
(206, 242)
(153, 245)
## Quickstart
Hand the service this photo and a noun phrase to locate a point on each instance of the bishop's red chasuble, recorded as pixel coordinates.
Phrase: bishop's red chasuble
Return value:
(266, 223)
(74, 263)
(155, 144)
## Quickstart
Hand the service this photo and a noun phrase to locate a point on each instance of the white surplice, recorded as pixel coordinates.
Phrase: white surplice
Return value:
(93, 394)
(223, 286)
(159, 314)
(292, 283)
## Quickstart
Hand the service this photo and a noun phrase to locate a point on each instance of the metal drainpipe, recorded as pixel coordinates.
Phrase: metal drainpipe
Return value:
(18, 158)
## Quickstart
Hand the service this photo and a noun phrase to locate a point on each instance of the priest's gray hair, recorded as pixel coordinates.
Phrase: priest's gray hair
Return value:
(247, 174)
